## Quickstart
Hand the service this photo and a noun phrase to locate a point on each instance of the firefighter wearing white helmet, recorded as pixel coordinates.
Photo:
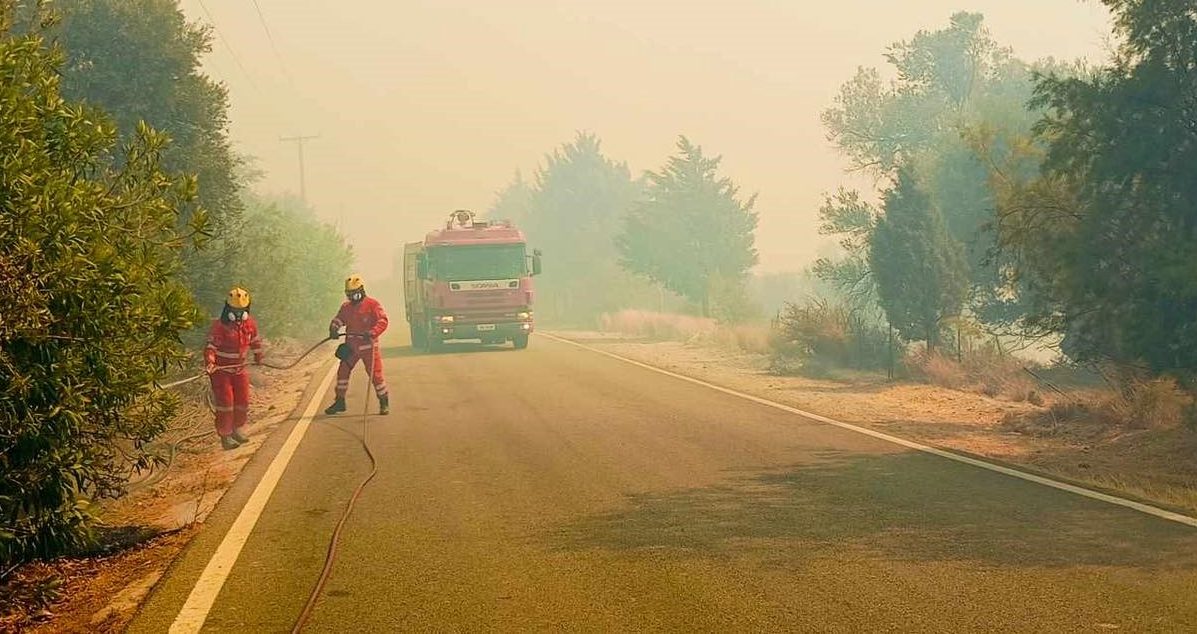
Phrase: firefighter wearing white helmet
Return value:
(363, 320)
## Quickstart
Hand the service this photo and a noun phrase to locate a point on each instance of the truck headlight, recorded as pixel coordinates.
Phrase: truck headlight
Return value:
(445, 319)
(524, 315)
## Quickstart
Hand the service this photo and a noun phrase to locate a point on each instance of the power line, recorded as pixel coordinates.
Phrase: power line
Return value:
(227, 45)
(270, 38)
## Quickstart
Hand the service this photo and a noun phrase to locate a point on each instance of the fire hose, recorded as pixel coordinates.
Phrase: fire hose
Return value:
(157, 474)
(289, 366)
(334, 541)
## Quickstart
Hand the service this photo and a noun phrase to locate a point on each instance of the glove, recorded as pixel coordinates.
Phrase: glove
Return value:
(332, 333)
(210, 369)
(258, 359)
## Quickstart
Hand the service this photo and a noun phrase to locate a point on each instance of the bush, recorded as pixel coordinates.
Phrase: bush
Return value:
(830, 335)
(294, 266)
(92, 305)
(1136, 403)
(984, 370)
(1158, 403)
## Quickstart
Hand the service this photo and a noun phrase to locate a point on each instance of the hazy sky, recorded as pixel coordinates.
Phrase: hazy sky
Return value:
(426, 107)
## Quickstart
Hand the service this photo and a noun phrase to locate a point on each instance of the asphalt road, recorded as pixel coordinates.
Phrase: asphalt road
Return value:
(557, 489)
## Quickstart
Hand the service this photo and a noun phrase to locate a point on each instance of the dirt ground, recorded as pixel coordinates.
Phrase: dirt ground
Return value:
(1159, 466)
(143, 532)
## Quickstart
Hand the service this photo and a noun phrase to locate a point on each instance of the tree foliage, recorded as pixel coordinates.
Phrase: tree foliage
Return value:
(294, 269)
(952, 85)
(1107, 234)
(140, 61)
(847, 215)
(576, 208)
(92, 307)
(513, 202)
(692, 233)
(918, 268)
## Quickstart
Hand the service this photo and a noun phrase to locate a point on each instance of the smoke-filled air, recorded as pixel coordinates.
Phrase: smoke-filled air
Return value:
(598, 316)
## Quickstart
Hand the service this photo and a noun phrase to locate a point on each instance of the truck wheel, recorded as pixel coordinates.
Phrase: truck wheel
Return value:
(418, 337)
(520, 341)
(431, 342)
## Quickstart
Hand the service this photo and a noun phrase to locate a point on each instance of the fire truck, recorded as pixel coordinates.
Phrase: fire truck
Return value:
(470, 280)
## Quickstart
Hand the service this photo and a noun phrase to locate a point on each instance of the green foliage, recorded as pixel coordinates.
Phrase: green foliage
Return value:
(140, 61)
(513, 202)
(822, 334)
(1107, 235)
(918, 267)
(692, 233)
(953, 84)
(294, 267)
(853, 219)
(576, 207)
(92, 307)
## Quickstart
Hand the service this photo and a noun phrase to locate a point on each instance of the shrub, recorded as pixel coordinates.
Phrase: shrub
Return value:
(92, 306)
(983, 369)
(1158, 403)
(294, 268)
(831, 334)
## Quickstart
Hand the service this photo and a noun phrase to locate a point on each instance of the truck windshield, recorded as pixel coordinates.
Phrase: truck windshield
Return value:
(478, 262)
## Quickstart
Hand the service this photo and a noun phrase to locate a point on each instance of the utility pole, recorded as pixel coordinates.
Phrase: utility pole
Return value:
(298, 140)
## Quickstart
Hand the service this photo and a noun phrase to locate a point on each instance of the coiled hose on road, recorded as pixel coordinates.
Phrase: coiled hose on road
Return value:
(330, 557)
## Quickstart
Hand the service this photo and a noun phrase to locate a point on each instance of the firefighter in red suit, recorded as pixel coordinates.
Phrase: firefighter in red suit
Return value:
(364, 321)
(229, 341)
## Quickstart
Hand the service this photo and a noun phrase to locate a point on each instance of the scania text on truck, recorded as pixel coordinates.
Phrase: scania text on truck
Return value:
(471, 280)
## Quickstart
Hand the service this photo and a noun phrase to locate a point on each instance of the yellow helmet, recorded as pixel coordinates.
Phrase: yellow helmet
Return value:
(354, 283)
(238, 298)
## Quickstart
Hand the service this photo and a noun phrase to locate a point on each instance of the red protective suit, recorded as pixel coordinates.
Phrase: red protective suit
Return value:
(228, 348)
(366, 316)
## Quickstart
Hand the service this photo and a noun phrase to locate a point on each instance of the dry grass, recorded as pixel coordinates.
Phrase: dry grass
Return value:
(654, 326)
(1157, 404)
(994, 375)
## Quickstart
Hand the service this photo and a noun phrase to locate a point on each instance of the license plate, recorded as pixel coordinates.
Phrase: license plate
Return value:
(485, 327)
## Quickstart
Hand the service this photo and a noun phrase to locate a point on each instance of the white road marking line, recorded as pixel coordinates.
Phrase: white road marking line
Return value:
(195, 610)
(1015, 473)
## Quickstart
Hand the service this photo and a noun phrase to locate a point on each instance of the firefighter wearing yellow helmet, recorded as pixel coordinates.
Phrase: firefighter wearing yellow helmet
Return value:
(363, 320)
(230, 339)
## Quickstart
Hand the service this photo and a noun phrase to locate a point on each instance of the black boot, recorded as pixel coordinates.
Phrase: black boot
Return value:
(238, 436)
(384, 404)
(337, 407)
(228, 443)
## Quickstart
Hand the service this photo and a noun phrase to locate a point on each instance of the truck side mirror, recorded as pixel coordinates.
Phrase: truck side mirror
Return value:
(536, 265)
(422, 267)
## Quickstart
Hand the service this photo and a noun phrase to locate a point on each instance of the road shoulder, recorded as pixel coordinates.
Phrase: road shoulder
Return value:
(956, 421)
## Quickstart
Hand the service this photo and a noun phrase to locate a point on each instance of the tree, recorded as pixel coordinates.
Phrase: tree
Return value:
(1108, 231)
(296, 277)
(513, 201)
(92, 304)
(576, 208)
(917, 266)
(953, 85)
(692, 233)
(849, 216)
(140, 61)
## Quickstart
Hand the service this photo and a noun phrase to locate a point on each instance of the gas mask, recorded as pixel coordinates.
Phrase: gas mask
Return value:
(234, 315)
(356, 296)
